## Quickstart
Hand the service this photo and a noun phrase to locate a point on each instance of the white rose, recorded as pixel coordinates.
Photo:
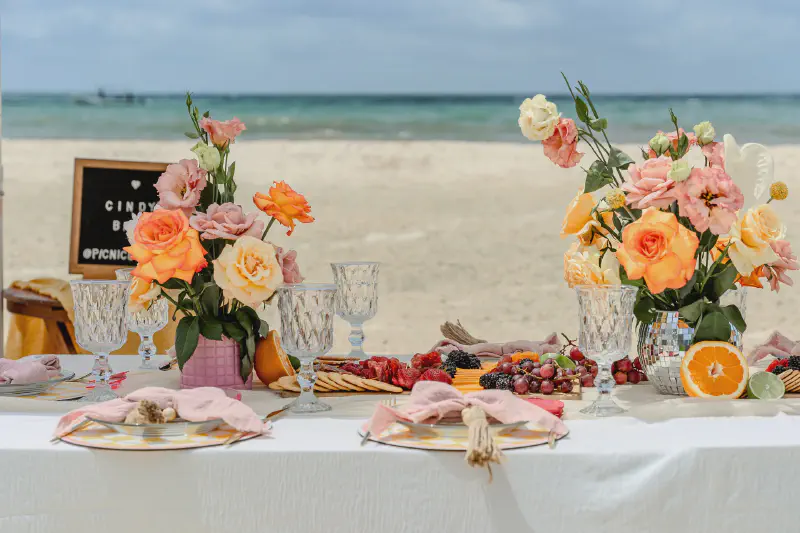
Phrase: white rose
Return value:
(680, 171)
(660, 143)
(207, 156)
(129, 226)
(705, 133)
(538, 118)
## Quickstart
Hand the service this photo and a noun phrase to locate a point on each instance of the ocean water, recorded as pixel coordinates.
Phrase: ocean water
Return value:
(769, 119)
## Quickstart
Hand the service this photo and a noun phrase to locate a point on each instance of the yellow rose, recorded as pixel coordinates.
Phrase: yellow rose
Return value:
(584, 267)
(248, 271)
(593, 233)
(538, 118)
(579, 213)
(750, 237)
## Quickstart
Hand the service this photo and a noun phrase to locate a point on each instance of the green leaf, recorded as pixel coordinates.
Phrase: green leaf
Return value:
(619, 159)
(735, 317)
(645, 155)
(186, 337)
(597, 177)
(207, 114)
(250, 345)
(625, 280)
(295, 362)
(234, 331)
(692, 312)
(582, 109)
(210, 298)
(618, 223)
(644, 308)
(245, 321)
(191, 135)
(599, 124)
(722, 282)
(211, 329)
(172, 283)
(263, 329)
(246, 366)
(707, 241)
(232, 170)
(713, 327)
(683, 146)
(684, 291)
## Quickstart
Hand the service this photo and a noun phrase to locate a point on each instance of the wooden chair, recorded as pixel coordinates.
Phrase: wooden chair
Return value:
(29, 303)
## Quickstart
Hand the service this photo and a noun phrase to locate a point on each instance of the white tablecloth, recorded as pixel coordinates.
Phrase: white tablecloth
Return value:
(709, 474)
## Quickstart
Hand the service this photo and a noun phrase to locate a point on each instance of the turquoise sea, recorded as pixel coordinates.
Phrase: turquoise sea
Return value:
(768, 119)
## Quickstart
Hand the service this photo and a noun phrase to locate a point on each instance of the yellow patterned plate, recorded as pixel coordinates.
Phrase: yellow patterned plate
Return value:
(406, 437)
(97, 436)
(69, 390)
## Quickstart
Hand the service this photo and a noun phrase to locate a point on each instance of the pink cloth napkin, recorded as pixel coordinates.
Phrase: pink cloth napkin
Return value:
(194, 405)
(498, 349)
(776, 344)
(431, 401)
(22, 371)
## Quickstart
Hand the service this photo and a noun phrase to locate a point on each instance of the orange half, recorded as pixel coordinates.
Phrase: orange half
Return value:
(271, 362)
(712, 369)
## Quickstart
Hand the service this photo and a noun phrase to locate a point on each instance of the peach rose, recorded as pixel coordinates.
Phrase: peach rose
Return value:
(142, 294)
(166, 247)
(750, 238)
(179, 187)
(584, 267)
(285, 205)
(649, 185)
(289, 266)
(562, 146)
(593, 233)
(248, 270)
(222, 133)
(659, 249)
(226, 221)
(579, 213)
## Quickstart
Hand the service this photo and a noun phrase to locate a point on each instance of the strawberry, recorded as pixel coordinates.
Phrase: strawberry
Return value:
(406, 377)
(778, 362)
(436, 374)
(422, 361)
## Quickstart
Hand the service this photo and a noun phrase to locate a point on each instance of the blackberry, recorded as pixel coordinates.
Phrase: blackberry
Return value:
(779, 370)
(489, 381)
(794, 362)
(504, 382)
(463, 359)
(526, 359)
(450, 369)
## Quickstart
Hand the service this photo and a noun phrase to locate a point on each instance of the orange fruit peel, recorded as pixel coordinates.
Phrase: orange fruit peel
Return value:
(271, 362)
(713, 369)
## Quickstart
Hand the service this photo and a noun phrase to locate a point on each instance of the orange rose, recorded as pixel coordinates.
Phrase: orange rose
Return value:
(285, 205)
(166, 247)
(579, 213)
(751, 280)
(659, 249)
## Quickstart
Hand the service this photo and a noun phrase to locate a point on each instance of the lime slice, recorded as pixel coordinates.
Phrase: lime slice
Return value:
(765, 386)
(565, 362)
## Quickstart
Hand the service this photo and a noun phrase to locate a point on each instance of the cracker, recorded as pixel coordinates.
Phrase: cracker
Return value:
(380, 385)
(275, 386)
(359, 381)
(337, 378)
(324, 377)
(337, 358)
(289, 383)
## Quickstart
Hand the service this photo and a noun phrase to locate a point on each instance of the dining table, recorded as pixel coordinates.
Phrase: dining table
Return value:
(668, 464)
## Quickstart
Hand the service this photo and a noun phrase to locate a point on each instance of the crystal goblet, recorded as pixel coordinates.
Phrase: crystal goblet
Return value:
(356, 298)
(306, 311)
(146, 322)
(100, 327)
(606, 323)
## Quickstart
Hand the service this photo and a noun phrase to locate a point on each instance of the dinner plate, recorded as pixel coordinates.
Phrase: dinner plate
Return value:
(177, 428)
(451, 429)
(32, 389)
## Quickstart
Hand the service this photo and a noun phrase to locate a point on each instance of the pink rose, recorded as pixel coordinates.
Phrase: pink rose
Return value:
(226, 221)
(673, 137)
(179, 187)
(289, 266)
(649, 185)
(715, 153)
(222, 133)
(710, 199)
(562, 146)
(776, 271)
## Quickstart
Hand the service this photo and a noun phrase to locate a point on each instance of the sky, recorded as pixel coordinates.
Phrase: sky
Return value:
(400, 46)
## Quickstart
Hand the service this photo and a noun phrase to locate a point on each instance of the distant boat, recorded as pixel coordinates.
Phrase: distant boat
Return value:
(103, 98)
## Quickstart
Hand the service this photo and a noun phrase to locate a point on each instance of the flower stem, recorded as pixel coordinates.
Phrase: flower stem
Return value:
(271, 222)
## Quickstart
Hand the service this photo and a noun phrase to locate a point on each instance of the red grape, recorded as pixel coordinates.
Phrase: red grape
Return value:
(637, 364)
(576, 354)
(569, 372)
(581, 370)
(624, 365)
(536, 372)
(548, 371)
(547, 387)
(634, 376)
(550, 361)
(590, 362)
(521, 386)
(621, 378)
(506, 368)
(537, 364)
(566, 387)
(505, 359)
(527, 366)
(533, 386)
(587, 380)
(594, 371)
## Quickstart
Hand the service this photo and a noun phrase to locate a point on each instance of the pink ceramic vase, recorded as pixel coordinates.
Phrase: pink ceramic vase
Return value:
(215, 364)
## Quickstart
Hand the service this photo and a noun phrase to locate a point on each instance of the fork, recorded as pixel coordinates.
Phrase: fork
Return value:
(389, 402)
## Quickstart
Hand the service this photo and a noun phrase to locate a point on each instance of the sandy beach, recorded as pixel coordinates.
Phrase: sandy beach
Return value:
(465, 231)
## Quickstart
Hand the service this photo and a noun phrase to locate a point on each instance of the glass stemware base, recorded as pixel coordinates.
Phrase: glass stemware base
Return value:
(101, 372)
(604, 405)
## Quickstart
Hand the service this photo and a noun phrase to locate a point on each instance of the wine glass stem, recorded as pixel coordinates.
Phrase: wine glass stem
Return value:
(357, 339)
(307, 377)
(605, 381)
(101, 371)
(147, 349)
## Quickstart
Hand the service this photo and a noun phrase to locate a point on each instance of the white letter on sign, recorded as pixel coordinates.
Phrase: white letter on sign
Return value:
(109, 205)
(115, 225)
